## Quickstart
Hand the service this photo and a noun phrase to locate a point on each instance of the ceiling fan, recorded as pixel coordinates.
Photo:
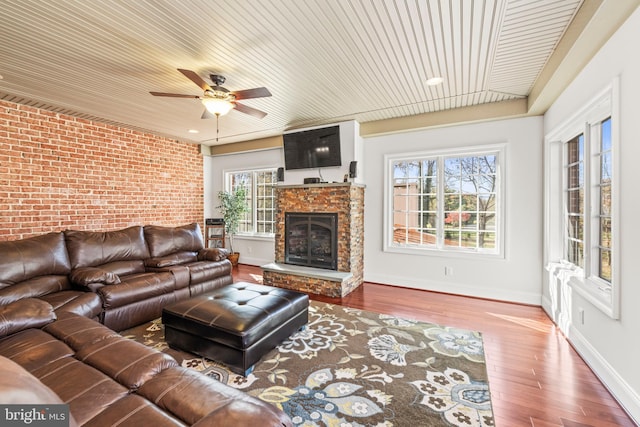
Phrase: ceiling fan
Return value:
(218, 100)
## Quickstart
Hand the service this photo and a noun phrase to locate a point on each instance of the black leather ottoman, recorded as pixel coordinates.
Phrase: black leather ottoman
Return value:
(237, 324)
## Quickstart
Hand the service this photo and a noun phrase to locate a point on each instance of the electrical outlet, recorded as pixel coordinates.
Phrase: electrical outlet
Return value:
(448, 271)
(581, 315)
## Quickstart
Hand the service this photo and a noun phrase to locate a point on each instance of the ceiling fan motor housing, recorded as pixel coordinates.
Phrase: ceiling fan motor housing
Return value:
(217, 79)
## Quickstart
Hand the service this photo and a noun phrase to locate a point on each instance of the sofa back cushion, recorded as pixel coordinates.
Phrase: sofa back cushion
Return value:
(35, 257)
(92, 248)
(164, 241)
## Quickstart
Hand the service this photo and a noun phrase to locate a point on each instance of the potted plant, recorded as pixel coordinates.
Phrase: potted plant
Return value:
(232, 206)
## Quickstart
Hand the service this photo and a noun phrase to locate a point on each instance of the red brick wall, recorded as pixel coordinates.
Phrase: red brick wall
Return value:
(58, 172)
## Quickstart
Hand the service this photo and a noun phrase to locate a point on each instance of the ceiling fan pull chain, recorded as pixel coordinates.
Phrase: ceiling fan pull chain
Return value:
(217, 127)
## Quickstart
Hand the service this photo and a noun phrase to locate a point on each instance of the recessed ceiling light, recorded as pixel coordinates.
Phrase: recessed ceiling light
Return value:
(434, 81)
(194, 131)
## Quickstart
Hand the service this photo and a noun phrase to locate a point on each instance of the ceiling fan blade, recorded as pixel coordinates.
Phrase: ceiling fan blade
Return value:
(195, 78)
(174, 95)
(258, 92)
(250, 110)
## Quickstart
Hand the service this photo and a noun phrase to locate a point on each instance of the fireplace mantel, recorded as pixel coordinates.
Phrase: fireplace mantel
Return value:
(345, 199)
(322, 185)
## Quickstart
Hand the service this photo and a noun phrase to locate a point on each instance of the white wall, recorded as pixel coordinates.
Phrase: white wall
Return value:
(611, 347)
(517, 277)
(350, 143)
(260, 250)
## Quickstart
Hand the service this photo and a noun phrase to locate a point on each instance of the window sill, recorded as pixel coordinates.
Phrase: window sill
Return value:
(255, 237)
(594, 293)
(445, 253)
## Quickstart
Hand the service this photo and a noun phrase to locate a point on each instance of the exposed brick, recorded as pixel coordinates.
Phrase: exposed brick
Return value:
(58, 172)
(345, 200)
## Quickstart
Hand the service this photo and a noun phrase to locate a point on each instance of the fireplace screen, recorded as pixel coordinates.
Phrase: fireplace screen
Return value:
(311, 240)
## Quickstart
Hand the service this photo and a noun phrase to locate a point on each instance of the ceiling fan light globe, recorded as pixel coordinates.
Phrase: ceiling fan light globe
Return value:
(218, 107)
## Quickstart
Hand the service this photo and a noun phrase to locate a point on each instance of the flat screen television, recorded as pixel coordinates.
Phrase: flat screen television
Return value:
(315, 148)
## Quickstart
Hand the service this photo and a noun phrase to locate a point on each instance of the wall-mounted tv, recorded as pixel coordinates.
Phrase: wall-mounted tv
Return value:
(315, 148)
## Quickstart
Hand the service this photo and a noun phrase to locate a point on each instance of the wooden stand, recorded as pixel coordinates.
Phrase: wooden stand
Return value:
(214, 233)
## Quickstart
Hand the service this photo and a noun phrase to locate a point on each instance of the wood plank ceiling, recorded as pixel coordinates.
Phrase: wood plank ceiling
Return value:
(324, 61)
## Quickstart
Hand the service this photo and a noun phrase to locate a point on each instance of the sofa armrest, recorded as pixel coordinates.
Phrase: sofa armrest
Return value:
(19, 387)
(213, 254)
(25, 314)
(92, 278)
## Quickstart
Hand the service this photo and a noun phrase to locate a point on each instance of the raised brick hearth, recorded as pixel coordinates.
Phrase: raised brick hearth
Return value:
(345, 199)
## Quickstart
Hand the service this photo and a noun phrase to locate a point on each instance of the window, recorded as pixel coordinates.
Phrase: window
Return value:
(259, 185)
(587, 211)
(446, 202)
(603, 191)
(574, 194)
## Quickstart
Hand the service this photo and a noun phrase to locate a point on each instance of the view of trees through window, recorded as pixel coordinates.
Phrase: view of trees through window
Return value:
(259, 185)
(604, 239)
(446, 202)
(599, 222)
(575, 201)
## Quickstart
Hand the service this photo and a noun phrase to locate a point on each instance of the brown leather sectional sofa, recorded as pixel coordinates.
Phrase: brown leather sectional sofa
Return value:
(62, 296)
(122, 277)
(109, 380)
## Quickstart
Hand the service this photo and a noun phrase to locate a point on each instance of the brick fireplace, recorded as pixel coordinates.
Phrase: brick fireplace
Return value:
(346, 201)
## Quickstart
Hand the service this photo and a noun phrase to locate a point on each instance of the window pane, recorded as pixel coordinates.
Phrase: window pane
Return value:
(452, 238)
(574, 194)
(604, 189)
(260, 196)
(469, 240)
(487, 240)
(576, 253)
(471, 183)
(466, 197)
(605, 232)
(415, 202)
(605, 265)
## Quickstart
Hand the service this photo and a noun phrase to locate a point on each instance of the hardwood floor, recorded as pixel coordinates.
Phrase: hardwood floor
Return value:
(535, 376)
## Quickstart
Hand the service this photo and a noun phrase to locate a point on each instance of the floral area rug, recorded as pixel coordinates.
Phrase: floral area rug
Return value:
(352, 368)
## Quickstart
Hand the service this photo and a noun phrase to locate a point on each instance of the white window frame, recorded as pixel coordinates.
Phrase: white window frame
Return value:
(586, 281)
(500, 150)
(254, 199)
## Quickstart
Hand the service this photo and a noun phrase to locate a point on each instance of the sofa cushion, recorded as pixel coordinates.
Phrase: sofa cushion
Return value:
(34, 349)
(25, 259)
(213, 254)
(82, 303)
(84, 276)
(224, 405)
(171, 260)
(163, 241)
(25, 314)
(126, 361)
(33, 288)
(91, 248)
(136, 288)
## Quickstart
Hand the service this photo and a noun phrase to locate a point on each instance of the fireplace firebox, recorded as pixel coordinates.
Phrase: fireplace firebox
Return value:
(311, 239)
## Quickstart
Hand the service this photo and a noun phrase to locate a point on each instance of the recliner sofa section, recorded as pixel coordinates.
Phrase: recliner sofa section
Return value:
(107, 379)
(39, 267)
(181, 250)
(122, 278)
(139, 270)
(111, 264)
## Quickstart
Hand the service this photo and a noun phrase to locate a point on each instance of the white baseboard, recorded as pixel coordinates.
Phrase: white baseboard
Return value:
(619, 388)
(249, 260)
